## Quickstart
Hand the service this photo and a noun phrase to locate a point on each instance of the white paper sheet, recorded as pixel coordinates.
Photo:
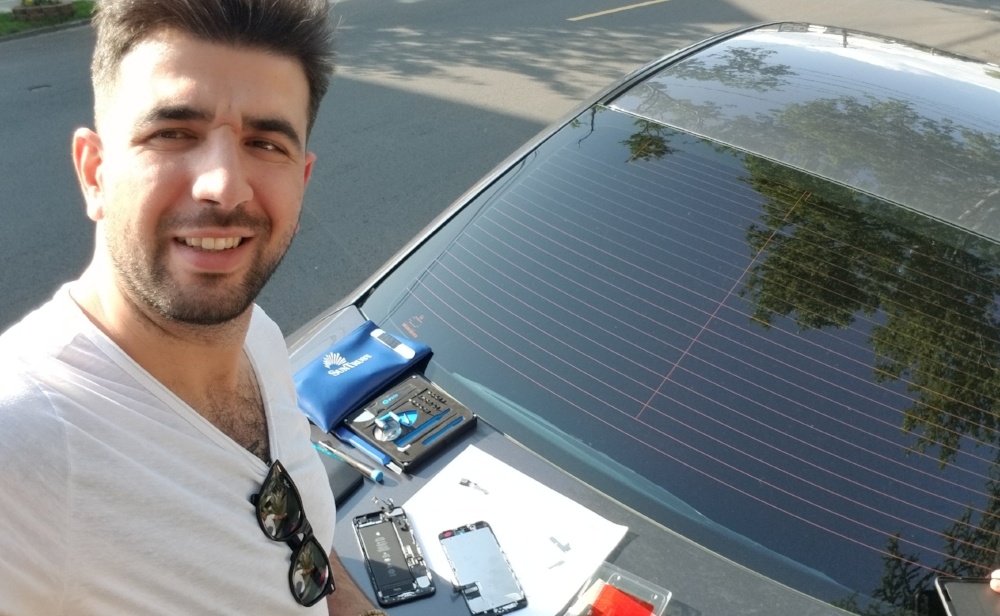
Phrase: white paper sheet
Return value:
(552, 542)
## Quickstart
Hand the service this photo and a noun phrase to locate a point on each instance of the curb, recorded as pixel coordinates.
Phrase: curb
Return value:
(45, 29)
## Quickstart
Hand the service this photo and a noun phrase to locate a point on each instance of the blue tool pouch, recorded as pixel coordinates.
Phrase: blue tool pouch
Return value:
(355, 368)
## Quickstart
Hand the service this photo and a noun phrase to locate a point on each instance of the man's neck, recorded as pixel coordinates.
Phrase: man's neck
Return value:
(205, 366)
(196, 362)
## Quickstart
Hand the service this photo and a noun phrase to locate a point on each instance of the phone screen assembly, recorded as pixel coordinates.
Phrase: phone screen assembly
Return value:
(392, 557)
(968, 596)
(482, 573)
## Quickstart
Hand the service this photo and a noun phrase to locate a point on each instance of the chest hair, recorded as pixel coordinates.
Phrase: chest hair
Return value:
(241, 415)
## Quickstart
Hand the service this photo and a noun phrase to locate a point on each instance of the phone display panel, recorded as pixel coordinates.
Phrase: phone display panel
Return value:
(482, 572)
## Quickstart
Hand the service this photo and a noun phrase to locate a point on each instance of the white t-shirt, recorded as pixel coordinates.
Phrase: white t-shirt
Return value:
(119, 498)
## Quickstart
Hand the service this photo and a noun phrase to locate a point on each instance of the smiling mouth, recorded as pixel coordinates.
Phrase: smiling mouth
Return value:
(213, 243)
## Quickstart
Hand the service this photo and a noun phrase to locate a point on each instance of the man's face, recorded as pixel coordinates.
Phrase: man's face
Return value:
(202, 169)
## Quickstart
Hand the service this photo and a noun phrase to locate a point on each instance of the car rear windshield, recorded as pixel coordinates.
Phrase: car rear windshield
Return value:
(796, 375)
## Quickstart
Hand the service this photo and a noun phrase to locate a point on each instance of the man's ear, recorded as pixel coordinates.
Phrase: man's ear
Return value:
(88, 156)
(310, 161)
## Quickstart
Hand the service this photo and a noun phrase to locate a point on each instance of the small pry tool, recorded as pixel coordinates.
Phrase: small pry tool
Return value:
(368, 471)
(346, 436)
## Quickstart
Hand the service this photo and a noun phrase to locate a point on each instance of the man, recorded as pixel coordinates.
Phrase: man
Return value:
(155, 460)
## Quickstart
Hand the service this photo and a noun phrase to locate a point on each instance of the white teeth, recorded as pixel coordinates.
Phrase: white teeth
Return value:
(213, 243)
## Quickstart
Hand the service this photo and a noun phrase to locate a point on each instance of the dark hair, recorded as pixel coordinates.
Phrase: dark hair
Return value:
(299, 29)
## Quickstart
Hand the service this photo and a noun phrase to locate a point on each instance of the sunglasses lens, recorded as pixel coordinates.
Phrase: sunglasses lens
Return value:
(278, 506)
(310, 573)
(279, 512)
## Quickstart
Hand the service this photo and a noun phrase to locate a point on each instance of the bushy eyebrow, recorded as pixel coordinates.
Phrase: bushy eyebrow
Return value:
(173, 112)
(275, 125)
(187, 113)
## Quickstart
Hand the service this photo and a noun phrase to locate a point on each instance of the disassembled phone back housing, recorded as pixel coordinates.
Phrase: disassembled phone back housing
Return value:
(395, 564)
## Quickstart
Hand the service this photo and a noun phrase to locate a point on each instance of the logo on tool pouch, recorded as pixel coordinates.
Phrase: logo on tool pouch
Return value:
(336, 365)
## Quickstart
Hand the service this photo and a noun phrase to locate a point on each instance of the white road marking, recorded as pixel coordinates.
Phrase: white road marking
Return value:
(621, 8)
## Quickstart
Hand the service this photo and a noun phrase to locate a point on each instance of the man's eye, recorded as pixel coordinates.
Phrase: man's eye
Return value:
(170, 134)
(263, 144)
(267, 146)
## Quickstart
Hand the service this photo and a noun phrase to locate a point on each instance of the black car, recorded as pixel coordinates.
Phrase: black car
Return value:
(750, 296)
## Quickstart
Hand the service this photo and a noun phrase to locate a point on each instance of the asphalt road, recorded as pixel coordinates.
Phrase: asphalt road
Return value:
(429, 96)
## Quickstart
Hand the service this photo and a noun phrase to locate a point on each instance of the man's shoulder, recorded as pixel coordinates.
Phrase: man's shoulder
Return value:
(264, 332)
(17, 384)
(22, 361)
(40, 355)
(30, 425)
(42, 332)
(266, 345)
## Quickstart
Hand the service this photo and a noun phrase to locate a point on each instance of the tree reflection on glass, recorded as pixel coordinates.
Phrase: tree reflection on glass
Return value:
(649, 142)
(828, 253)
(740, 68)
(822, 264)
(748, 68)
(825, 257)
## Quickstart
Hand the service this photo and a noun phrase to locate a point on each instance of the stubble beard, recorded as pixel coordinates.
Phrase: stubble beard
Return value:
(215, 299)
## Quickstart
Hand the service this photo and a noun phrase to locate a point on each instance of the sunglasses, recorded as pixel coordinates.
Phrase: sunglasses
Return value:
(280, 515)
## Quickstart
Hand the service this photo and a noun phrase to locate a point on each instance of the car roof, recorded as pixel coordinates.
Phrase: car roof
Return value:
(904, 122)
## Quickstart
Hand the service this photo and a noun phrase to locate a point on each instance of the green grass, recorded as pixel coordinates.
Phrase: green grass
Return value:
(81, 10)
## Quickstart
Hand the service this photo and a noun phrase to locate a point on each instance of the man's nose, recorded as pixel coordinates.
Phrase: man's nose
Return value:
(220, 177)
